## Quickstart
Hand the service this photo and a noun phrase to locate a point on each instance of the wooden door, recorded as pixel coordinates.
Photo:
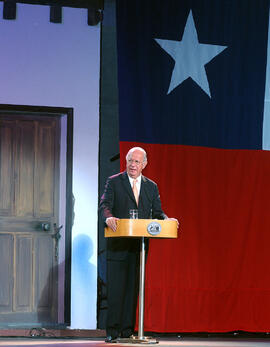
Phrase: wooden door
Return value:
(29, 176)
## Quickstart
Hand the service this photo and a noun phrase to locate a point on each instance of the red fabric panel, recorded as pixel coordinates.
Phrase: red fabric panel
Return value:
(215, 276)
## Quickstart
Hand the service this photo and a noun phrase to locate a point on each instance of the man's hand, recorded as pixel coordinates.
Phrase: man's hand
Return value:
(112, 223)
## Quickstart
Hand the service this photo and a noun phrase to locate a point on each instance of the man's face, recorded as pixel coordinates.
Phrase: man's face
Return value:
(135, 164)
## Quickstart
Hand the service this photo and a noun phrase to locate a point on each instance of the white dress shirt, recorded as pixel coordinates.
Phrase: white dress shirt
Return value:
(138, 183)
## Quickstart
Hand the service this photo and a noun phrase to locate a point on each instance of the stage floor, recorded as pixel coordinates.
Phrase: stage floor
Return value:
(163, 342)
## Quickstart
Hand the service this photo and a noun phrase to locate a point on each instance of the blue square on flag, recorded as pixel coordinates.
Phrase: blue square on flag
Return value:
(193, 72)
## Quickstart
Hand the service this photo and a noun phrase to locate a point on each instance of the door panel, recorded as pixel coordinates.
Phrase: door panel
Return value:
(23, 273)
(45, 274)
(7, 135)
(45, 168)
(6, 272)
(25, 141)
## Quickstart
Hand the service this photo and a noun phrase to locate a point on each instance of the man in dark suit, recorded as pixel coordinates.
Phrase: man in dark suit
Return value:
(123, 192)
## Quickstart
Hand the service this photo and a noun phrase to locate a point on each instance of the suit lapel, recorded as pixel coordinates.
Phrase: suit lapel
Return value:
(127, 186)
(142, 189)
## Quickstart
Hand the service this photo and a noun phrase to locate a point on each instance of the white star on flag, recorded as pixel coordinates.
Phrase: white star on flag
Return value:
(190, 57)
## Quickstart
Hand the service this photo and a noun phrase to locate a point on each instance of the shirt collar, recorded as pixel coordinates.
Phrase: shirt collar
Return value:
(139, 178)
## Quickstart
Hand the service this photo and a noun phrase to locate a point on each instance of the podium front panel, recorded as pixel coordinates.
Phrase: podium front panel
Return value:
(152, 228)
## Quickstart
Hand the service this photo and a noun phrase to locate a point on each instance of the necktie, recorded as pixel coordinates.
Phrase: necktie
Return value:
(135, 191)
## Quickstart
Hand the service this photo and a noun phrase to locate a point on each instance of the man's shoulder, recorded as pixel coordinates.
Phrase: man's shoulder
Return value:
(148, 181)
(118, 176)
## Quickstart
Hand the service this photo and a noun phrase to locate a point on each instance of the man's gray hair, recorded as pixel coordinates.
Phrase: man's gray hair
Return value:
(137, 149)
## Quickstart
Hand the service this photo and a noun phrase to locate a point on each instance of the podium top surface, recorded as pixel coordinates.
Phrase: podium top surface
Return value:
(152, 228)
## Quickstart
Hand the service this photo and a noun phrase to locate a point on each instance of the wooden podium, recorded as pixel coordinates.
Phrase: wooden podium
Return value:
(143, 228)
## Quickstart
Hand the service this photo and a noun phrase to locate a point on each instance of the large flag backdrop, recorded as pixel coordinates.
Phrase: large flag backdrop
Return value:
(192, 81)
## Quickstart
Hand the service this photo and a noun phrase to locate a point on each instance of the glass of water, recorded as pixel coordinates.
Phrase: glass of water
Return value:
(133, 214)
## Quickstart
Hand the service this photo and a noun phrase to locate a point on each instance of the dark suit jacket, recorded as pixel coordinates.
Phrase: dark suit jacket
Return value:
(118, 199)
